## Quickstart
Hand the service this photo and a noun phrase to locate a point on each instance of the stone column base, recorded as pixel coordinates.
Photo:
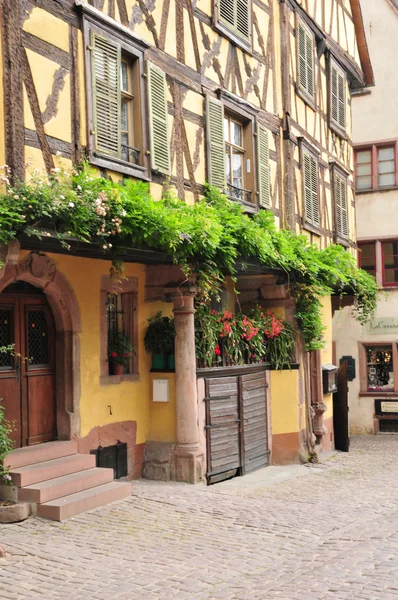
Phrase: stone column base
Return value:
(187, 464)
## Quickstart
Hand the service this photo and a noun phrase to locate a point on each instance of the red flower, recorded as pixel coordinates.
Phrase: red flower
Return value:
(114, 354)
(126, 353)
(217, 350)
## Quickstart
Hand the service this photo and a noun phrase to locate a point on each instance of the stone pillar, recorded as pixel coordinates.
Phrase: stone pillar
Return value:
(187, 460)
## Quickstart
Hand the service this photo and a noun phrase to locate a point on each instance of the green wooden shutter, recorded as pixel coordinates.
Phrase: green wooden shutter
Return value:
(263, 166)
(243, 18)
(215, 142)
(338, 97)
(310, 176)
(235, 14)
(340, 190)
(305, 51)
(158, 120)
(105, 67)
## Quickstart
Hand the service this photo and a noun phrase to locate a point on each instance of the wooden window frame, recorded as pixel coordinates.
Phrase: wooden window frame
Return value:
(230, 33)
(302, 92)
(340, 238)
(126, 286)
(308, 224)
(249, 179)
(367, 243)
(334, 125)
(374, 148)
(134, 50)
(363, 376)
(384, 283)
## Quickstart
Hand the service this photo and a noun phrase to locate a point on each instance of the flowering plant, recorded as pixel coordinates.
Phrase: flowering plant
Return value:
(236, 339)
(119, 349)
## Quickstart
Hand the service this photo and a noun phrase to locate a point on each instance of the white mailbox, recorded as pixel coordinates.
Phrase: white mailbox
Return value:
(160, 390)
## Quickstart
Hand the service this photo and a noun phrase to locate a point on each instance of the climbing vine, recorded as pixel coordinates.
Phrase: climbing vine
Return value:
(206, 239)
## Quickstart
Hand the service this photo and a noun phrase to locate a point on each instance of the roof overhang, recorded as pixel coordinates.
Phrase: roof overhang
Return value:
(363, 49)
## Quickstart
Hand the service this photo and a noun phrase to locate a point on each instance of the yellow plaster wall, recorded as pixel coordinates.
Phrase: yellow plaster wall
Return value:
(284, 401)
(129, 400)
(43, 71)
(163, 414)
(45, 26)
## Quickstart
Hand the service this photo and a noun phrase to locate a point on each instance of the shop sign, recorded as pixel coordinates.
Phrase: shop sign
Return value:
(389, 407)
(383, 325)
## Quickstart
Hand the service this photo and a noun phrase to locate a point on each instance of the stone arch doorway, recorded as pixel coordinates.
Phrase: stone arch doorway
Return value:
(41, 272)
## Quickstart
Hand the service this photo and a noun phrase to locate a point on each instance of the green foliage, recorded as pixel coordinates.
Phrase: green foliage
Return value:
(6, 445)
(119, 349)
(159, 337)
(206, 239)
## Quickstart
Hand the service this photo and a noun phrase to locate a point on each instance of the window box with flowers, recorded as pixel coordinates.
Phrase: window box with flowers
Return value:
(227, 339)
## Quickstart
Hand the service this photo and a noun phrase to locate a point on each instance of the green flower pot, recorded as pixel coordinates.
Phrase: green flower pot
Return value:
(171, 362)
(158, 361)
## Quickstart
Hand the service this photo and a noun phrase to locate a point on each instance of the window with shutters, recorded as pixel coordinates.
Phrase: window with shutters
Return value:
(233, 18)
(337, 98)
(305, 49)
(340, 204)
(309, 167)
(232, 154)
(116, 103)
(375, 167)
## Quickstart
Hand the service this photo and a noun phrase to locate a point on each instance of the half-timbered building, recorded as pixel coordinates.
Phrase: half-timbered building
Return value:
(252, 96)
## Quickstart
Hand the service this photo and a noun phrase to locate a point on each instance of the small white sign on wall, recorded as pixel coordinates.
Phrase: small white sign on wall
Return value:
(160, 390)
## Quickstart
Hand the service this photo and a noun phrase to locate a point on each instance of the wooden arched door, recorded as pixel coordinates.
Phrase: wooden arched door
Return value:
(27, 379)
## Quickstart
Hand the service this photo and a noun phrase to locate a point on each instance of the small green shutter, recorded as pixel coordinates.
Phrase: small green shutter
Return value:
(263, 166)
(337, 97)
(235, 14)
(340, 190)
(215, 142)
(105, 67)
(305, 50)
(158, 121)
(310, 175)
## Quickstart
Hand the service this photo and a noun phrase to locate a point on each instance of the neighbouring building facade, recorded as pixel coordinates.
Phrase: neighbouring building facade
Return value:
(253, 96)
(373, 388)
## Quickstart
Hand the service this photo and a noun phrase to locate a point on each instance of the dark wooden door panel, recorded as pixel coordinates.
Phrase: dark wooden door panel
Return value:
(340, 410)
(41, 409)
(9, 367)
(27, 379)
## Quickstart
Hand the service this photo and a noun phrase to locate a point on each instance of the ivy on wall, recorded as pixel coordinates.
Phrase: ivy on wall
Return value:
(206, 239)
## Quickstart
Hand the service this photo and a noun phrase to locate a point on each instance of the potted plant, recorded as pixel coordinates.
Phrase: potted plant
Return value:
(119, 351)
(159, 341)
(11, 511)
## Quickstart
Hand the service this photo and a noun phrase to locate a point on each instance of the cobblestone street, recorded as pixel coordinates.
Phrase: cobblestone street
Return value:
(330, 534)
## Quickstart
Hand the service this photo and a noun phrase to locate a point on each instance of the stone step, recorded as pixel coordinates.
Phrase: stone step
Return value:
(51, 469)
(21, 457)
(65, 486)
(68, 506)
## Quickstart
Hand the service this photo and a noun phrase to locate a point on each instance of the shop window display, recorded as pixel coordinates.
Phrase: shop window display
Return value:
(380, 371)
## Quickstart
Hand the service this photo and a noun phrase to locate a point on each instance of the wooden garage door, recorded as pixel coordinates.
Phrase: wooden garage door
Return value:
(223, 431)
(236, 425)
(254, 421)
